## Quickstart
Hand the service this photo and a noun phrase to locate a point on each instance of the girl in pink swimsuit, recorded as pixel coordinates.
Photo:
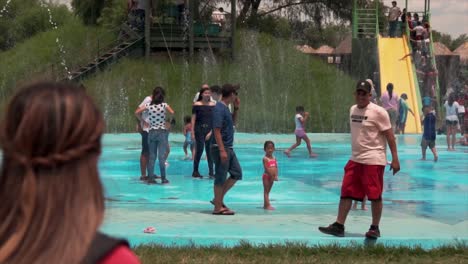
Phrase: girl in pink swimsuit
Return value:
(271, 173)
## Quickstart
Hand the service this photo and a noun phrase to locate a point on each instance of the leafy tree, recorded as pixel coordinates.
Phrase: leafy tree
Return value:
(113, 14)
(88, 10)
(458, 41)
(24, 19)
(447, 40)
(443, 38)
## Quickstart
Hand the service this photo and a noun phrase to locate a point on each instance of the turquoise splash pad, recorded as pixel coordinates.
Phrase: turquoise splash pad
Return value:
(425, 204)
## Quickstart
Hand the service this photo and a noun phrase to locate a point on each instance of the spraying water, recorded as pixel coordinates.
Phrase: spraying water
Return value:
(5, 7)
(57, 40)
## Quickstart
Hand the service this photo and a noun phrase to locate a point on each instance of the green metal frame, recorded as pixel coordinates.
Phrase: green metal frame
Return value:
(434, 63)
(355, 20)
(427, 15)
(376, 19)
(415, 75)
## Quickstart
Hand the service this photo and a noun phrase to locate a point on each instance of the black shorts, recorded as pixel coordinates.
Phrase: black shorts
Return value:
(427, 143)
(451, 122)
(144, 143)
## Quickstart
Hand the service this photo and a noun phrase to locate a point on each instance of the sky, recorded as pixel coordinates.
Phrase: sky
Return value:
(447, 16)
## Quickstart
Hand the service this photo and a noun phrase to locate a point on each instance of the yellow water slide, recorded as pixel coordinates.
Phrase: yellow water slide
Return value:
(394, 69)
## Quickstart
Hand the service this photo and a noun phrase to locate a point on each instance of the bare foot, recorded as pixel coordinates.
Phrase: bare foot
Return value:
(422, 159)
(436, 158)
(287, 153)
(364, 208)
(269, 208)
(313, 155)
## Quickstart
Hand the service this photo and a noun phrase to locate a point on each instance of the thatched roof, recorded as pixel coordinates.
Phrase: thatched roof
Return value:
(324, 50)
(441, 49)
(345, 46)
(305, 49)
(463, 52)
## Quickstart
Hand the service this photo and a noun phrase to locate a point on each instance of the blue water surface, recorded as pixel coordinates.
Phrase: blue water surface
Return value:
(425, 204)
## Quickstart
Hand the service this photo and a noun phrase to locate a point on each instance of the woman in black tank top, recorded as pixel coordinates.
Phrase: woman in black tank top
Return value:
(202, 124)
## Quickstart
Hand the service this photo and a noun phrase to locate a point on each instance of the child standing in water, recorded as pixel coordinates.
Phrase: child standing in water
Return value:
(300, 118)
(188, 136)
(270, 174)
(429, 135)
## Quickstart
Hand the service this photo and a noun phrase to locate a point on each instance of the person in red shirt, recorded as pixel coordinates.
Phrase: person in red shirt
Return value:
(52, 197)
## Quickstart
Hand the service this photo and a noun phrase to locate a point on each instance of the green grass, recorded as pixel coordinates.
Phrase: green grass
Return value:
(274, 79)
(300, 253)
(40, 58)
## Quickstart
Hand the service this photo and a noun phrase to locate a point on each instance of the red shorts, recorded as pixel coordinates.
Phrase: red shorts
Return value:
(360, 180)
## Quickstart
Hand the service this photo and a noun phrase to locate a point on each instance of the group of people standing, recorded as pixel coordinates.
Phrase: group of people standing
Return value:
(212, 128)
(419, 30)
(213, 121)
(396, 107)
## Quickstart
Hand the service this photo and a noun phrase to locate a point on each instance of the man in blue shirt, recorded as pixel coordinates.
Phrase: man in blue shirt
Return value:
(223, 154)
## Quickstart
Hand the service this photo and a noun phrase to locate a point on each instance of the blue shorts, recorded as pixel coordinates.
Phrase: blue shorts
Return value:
(221, 169)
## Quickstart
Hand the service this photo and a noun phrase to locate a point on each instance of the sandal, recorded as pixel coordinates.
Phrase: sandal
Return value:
(224, 212)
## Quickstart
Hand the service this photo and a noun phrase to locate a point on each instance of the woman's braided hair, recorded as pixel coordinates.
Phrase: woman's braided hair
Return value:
(52, 197)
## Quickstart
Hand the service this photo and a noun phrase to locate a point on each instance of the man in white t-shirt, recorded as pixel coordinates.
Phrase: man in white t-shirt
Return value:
(370, 132)
(393, 14)
(143, 129)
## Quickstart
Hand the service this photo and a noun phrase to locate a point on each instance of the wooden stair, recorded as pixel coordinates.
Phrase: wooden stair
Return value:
(130, 41)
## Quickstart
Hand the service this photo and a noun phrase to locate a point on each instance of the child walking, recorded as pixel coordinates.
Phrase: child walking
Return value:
(363, 204)
(270, 174)
(429, 135)
(300, 118)
(188, 136)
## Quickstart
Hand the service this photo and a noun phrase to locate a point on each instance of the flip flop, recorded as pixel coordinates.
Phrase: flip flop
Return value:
(224, 212)
(149, 230)
(223, 205)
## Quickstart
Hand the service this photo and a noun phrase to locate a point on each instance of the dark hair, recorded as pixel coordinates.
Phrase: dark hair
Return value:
(419, 23)
(404, 96)
(451, 99)
(158, 95)
(228, 89)
(187, 119)
(394, 2)
(200, 94)
(215, 89)
(390, 90)
(51, 141)
(299, 108)
(268, 142)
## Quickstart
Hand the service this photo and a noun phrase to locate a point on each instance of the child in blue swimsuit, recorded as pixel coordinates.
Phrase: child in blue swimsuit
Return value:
(188, 136)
